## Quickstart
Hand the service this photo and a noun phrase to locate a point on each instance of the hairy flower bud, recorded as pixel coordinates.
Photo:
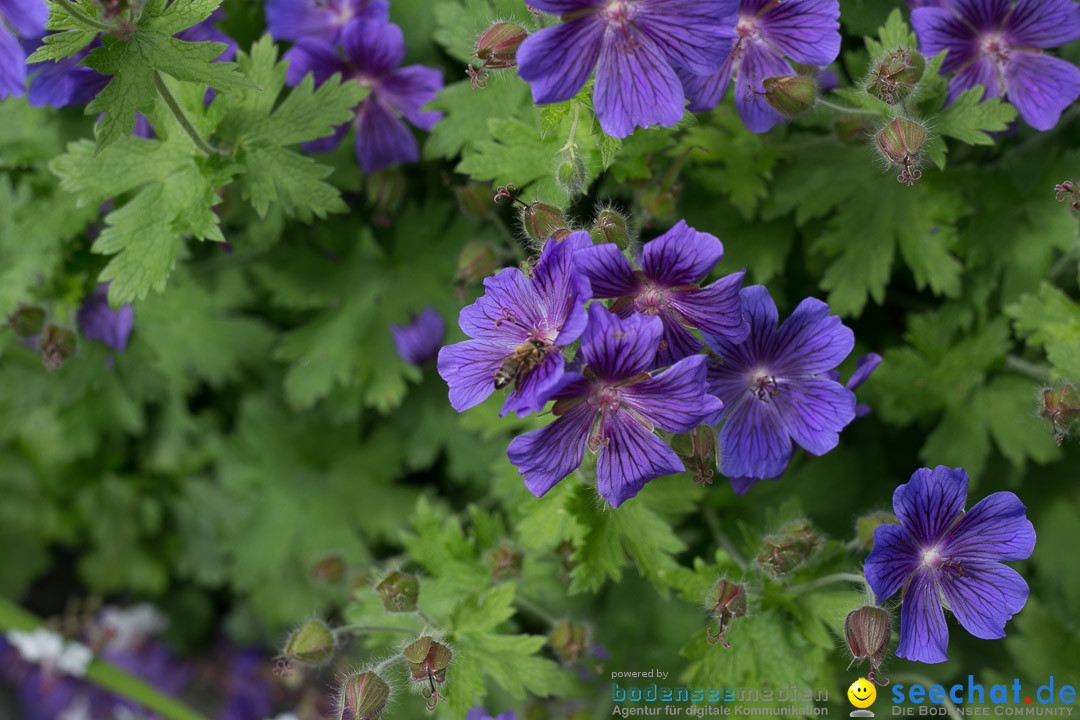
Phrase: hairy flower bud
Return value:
(475, 199)
(900, 143)
(497, 50)
(312, 644)
(571, 174)
(543, 221)
(867, 631)
(894, 76)
(792, 545)
(399, 592)
(610, 226)
(698, 450)
(865, 526)
(1068, 190)
(726, 600)
(569, 640)
(27, 321)
(504, 562)
(1062, 407)
(57, 345)
(476, 261)
(790, 95)
(329, 569)
(365, 695)
(428, 660)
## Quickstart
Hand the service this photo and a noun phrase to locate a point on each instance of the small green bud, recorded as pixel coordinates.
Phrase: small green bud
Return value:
(399, 592)
(788, 548)
(900, 143)
(867, 632)
(365, 695)
(569, 640)
(313, 644)
(894, 76)
(790, 95)
(543, 221)
(571, 174)
(427, 659)
(610, 226)
(57, 346)
(865, 526)
(476, 261)
(27, 321)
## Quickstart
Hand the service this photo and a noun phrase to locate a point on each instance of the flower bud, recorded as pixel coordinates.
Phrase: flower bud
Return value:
(867, 631)
(658, 202)
(852, 129)
(365, 695)
(498, 46)
(610, 226)
(571, 174)
(313, 644)
(504, 562)
(27, 321)
(385, 190)
(725, 601)
(399, 592)
(428, 660)
(894, 76)
(329, 569)
(1062, 408)
(569, 640)
(476, 261)
(475, 199)
(865, 526)
(1068, 190)
(790, 547)
(790, 95)
(698, 450)
(899, 143)
(57, 345)
(543, 221)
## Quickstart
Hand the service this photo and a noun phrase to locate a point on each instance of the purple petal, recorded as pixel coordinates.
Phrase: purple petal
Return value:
(382, 139)
(98, 321)
(409, 89)
(632, 456)
(706, 91)
(557, 61)
(741, 485)
(739, 358)
(811, 341)
(995, 528)
(419, 341)
(980, 72)
(312, 56)
(609, 272)
(635, 84)
(298, 19)
(674, 400)
(506, 311)
(206, 31)
(864, 367)
(807, 31)
(619, 348)
(758, 62)
(328, 143)
(26, 16)
(814, 410)
(562, 292)
(562, 7)
(1040, 86)
(939, 29)
(753, 441)
(930, 502)
(12, 65)
(923, 635)
(715, 309)
(547, 455)
(373, 47)
(985, 597)
(469, 369)
(891, 562)
(1043, 23)
(693, 34)
(532, 392)
(680, 256)
(677, 342)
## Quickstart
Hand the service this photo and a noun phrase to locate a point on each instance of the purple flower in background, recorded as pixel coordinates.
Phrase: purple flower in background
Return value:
(939, 551)
(635, 46)
(373, 49)
(612, 407)
(807, 31)
(916, 4)
(419, 341)
(206, 31)
(320, 19)
(1000, 46)
(864, 368)
(519, 323)
(27, 18)
(98, 321)
(247, 690)
(667, 285)
(479, 713)
(774, 386)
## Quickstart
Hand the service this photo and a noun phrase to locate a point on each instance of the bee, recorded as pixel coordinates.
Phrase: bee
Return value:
(525, 358)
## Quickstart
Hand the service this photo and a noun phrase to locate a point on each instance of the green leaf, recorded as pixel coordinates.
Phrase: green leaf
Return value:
(893, 34)
(968, 120)
(466, 110)
(1051, 319)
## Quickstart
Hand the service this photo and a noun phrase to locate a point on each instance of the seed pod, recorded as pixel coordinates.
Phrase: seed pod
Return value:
(475, 199)
(698, 450)
(791, 95)
(312, 644)
(894, 76)
(476, 261)
(399, 592)
(610, 226)
(867, 632)
(726, 600)
(543, 221)
(428, 660)
(569, 640)
(498, 46)
(365, 695)
(900, 143)
(1062, 407)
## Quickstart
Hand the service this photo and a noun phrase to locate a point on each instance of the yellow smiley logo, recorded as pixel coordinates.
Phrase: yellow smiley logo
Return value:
(862, 694)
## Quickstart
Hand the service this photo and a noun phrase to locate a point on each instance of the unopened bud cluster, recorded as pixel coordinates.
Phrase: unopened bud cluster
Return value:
(867, 631)
(428, 661)
(789, 548)
(726, 600)
(1061, 406)
(504, 562)
(399, 592)
(894, 76)
(900, 145)
(569, 640)
(611, 226)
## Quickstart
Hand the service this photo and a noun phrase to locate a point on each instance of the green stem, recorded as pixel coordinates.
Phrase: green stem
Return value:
(425, 617)
(70, 9)
(847, 110)
(530, 607)
(1033, 371)
(721, 539)
(367, 629)
(392, 660)
(827, 580)
(1065, 260)
(105, 676)
(174, 107)
(571, 139)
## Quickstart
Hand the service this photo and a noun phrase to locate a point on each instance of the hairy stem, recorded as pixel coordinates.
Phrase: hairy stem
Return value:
(571, 139)
(827, 580)
(1033, 371)
(201, 145)
(388, 662)
(847, 110)
(104, 675)
(70, 8)
(533, 609)
(367, 629)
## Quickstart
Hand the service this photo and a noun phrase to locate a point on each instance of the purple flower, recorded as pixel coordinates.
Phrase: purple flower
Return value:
(807, 31)
(1000, 46)
(419, 341)
(939, 551)
(916, 4)
(635, 46)
(27, 18)
(546, 312)
(667, 285)
(373, 50)
(320, 19)
(98, 321)
(206, 31)
(774, 386)
(612, 407)
(479, 713)
(864, 368)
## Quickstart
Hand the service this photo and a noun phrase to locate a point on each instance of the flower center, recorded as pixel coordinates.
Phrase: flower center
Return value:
(606, 399)
(650, 302)
(995, 47)
(932, 558)
(764, 385)
(618, 11)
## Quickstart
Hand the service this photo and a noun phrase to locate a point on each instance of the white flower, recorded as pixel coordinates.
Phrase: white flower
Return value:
(51, 651)
(127, 627)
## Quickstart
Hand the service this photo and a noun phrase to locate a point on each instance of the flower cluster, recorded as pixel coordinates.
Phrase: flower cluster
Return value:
(373, 48)
(639, 367)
